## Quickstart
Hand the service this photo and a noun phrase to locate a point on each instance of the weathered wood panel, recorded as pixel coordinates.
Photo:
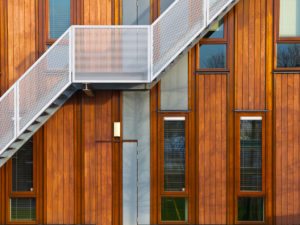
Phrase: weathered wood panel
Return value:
(250, 51)
(211, 147)
(287, 142)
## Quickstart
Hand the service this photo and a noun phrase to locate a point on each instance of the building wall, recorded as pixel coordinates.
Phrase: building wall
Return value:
(250, 54)
(78, 138)
(211, 129)
(287, 143)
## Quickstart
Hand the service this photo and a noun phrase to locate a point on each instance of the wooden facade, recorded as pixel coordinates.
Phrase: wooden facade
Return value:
(79, 162)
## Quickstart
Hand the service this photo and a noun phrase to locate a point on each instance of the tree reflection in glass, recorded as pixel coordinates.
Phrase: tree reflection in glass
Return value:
(288, 55)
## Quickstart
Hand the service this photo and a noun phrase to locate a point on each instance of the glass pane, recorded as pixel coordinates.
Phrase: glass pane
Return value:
(59, 17)
(22, 168)
(289, 25)
(288, 55)
(174, 155)
(250, 209)
(174, 87)
(174, 209)
(22, 209)
(136, 12)
(216, 31)
(164, 4)
(251, 155)
(213, 56)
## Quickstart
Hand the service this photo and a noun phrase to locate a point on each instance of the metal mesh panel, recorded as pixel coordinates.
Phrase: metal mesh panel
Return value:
(215, 7)
(7, 118)
(44, 81)
(111, 54)
(175, 29)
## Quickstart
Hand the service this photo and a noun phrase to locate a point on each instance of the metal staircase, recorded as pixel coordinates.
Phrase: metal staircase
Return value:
(112, 56)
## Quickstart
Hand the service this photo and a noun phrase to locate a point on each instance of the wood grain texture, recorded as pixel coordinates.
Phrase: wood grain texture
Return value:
(97, 12)
(287, 158)
(211, 147)
(97, 153)
(250, 51)
(60, 136)
(21, 39)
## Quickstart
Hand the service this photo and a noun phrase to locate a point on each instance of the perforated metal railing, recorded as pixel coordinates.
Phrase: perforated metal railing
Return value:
(112, 54)
(28, 98)
(174, 29)
(103, 54)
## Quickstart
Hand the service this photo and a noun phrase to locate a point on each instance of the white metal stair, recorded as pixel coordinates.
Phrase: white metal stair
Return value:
(118, 57)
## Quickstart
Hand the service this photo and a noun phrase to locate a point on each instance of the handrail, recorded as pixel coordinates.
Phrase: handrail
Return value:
(103, 54)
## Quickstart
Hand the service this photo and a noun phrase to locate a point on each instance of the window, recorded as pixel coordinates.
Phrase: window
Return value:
(250, 164)
(164, 4)
(212, 56)
(58, 18)
(213, 48)
(174, 87)
(136, 12)
(289, 24)
(22, 195)
(288, 34)
(173, 166)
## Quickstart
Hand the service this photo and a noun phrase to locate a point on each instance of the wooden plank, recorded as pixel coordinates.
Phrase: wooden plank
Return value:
(218, 151)
(245, 56)
(257, 64)
(295, 160)
(278, 192)
(251, 54)
(284, 150)
(296, 147)
(206, 158)
(290, 147)
(239, 56)
(224, 163)
(263, 48)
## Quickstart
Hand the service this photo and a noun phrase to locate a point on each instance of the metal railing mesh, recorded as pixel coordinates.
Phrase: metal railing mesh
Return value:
(103, 54)
(112, 54)
(44, 81)
(214, 8)
(175, 29)
(7, 117)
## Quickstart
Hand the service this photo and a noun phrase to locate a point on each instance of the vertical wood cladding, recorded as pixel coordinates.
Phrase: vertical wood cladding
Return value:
(21, 52)
(211, 135)
(97, 148)
(97, 12)
(287, 142)
(60, 147)
(250, 45)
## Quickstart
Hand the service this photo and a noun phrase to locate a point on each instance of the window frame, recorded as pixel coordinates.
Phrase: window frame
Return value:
(281, 40)
(240, 193)
(176, 194)
(213, 41)
(49, 41)
(22, 194)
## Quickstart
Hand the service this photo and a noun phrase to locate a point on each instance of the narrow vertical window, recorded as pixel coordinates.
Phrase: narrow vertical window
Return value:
(251, 191)
(22, 194)
(251, 154)
(174, 185)
(58, 19)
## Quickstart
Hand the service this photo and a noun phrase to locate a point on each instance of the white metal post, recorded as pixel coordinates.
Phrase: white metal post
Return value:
(73, 29)
(18, 118)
